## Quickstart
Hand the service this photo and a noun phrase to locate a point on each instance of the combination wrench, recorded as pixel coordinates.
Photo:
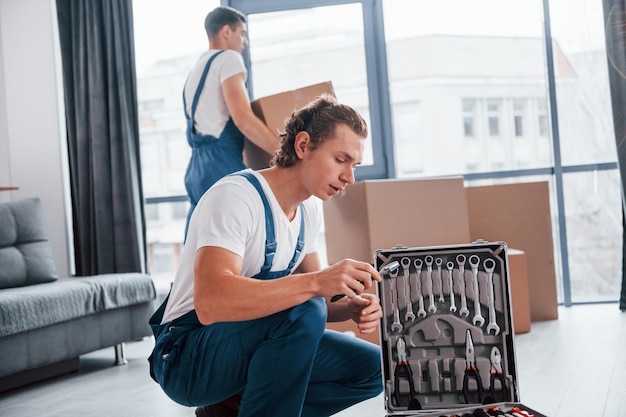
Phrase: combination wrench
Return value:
(460, 260)
(450, 266)
(490, 265)
(396, 326)
(409, 316)
(429, 284)
(478, 319)
(418, 286)
(439, 262)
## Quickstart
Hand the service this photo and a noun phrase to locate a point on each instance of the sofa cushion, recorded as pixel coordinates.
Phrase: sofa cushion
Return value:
(35, 306)
(25, 252)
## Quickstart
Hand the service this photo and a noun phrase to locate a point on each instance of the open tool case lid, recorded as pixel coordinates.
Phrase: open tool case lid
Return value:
(443, 347)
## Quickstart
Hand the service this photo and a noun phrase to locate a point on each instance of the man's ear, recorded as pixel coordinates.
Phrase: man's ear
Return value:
(225, 30)
(301, 144)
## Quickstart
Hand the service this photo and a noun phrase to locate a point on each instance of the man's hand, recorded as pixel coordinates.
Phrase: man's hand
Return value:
(347, 277)
(366, 312)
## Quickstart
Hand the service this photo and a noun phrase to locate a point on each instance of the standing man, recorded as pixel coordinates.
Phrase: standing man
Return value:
(243, 329)
(218, 109)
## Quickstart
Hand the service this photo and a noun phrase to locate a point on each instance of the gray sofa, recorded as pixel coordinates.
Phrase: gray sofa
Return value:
(47, 321)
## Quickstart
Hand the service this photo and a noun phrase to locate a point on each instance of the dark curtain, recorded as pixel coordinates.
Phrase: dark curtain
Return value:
(97, 52)
(615, 24)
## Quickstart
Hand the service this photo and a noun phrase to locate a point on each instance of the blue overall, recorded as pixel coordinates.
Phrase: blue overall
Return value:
(211, 158)
(285, 364)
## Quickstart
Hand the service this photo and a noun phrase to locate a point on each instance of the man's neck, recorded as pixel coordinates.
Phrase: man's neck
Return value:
(284, 185)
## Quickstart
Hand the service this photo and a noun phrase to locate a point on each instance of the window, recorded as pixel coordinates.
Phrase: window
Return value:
(466, 96)
(470, 77)
(469, 115)
(493, 117)
(519, 107)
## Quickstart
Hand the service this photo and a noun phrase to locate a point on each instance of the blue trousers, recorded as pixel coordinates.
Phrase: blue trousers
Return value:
(286, 364)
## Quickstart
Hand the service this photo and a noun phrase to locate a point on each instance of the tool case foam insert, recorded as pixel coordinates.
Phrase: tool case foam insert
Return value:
(446, 331)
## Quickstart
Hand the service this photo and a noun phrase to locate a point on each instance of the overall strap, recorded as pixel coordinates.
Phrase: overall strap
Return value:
(196, 96)
(270, 236)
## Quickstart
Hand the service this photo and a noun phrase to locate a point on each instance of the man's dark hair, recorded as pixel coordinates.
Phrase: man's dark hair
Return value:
(319, 119)
(221, 16)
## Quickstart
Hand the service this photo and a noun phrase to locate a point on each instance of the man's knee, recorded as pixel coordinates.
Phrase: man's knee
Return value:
(310, 316)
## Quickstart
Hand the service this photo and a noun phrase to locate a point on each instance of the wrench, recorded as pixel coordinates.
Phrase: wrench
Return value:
(460, 260)
(490, 265)
(478, 319)
(418, 287)
(396, 326)
(450, 266)
(438, 262)
(409, 316)
(429, 284)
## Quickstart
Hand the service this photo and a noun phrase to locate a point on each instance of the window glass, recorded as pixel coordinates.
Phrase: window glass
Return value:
(594, 234)
(169, 38)
(467, 69)
(296, 48)
(582, 85)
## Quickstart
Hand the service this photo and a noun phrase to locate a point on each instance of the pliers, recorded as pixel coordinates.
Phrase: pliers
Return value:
(499, 394)
(403, 371)
(471, 373)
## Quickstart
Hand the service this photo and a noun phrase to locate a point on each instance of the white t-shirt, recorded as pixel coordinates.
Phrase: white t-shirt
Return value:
(231, 216)
(211, 112)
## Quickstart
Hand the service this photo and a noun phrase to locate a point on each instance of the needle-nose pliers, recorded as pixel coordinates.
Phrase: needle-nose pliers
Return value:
(403, 371)
(471, 373)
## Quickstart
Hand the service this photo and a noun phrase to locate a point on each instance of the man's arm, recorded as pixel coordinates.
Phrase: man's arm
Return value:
(364, 308)
(236, 98)
(221, 293)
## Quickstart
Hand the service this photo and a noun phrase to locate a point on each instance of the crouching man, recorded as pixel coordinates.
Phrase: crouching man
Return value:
(243, 329)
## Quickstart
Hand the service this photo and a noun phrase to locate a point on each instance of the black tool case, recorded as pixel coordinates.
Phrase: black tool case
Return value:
(447, 331)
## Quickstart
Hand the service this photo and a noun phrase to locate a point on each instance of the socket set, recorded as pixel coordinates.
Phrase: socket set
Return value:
(447, 331)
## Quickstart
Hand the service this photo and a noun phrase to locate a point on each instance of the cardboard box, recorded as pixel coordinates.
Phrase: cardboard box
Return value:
(273, 111)
(518, 281)
(519, 214)
(380, 214)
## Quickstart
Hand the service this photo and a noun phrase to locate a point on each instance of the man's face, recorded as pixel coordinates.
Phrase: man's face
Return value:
(330, 167)
(238, 39)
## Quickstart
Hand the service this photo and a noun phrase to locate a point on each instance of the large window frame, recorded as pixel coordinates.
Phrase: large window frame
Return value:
(381, 125)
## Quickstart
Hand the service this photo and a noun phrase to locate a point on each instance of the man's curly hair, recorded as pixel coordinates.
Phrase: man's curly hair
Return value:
(318, 118)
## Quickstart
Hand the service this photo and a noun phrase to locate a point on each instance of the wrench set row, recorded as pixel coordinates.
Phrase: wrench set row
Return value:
(447, 337)
(414, 281)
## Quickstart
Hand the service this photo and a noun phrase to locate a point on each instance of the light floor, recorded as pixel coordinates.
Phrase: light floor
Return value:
(570, 367)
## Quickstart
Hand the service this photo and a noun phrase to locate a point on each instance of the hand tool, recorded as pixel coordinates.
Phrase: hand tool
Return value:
(403, 371)
(396, 326)
(478, 319)
(460, 260)
(518, 412)
(479, 412)
(439, 262)
(429, 284)
(450, 266)
(418, 286)
(495, 411)
(499, 394)
(490, 265)
(471, 373)
(409, 316)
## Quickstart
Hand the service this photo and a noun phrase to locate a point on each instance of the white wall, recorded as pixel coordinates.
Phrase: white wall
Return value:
(32, 131)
